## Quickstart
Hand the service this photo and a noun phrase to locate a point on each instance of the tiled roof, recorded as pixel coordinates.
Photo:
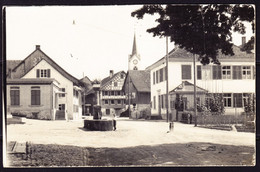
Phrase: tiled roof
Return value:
(30, 81)
(182, 54)
(141, 80)
(186, 86)
(51, 62)
(11, 64)
(107, 79)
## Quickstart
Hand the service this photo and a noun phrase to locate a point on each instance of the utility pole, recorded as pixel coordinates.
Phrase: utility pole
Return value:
(167, 82)
(195, 91)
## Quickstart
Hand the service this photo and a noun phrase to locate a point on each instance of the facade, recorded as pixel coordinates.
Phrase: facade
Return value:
(29, 74)
(234, 79)
(92, 98)
(112, 96)
(137, 85)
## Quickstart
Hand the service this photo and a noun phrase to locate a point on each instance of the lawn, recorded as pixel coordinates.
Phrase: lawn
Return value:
(194, 154)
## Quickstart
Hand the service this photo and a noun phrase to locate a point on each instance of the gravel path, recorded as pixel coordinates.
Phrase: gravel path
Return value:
(129, 133)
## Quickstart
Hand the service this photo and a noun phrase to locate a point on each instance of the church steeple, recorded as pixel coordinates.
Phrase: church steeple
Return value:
(134, 58)
(134, 51)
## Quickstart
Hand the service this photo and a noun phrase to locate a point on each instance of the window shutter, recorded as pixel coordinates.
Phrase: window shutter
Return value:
(199, 72)
(237, 99)
(217, 72)
(48, 73)
(237, 73)
(32, 97)
(153, 77)
(165, 71)
(186, 71)
(253, 67)
(38, 73)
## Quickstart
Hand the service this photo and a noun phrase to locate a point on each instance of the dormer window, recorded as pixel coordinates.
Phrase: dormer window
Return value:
(43, 73)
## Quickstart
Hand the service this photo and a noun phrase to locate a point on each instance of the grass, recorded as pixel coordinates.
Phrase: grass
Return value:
(166, 154)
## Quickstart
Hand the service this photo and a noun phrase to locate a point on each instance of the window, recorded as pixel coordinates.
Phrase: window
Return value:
(162, 101)
(199, 72)
(186, 71)
(75, 93)
(63, 90)
(115, 84)
(154, 102)
(226, 72)
(107, 111)
(227, 99)
(237, 73)
(119, 102)
(237, 99)
(246, 72)
(165, 73)
(112, 93)
(153, 77)
(217, 72)
(161, 74)
(43, 73)
(112, 102)
(106, 102)
(157, 76)
(106, 93)
(61, 106)
(15, 95)
(118, 93)
(35, 96)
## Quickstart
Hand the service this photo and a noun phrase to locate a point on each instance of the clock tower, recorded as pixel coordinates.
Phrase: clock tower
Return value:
(134, 58)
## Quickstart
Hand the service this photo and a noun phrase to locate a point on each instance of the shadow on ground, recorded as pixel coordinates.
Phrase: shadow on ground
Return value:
(190, 154)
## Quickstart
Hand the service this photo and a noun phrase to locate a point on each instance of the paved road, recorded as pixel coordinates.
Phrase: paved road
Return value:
(129, 133)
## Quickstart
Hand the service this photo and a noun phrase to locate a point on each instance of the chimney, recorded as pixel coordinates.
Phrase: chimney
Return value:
(243, 40)
(38, 47)
(111, 73)
(10, 73)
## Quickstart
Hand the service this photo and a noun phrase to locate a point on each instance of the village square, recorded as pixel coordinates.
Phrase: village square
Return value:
(175, 111)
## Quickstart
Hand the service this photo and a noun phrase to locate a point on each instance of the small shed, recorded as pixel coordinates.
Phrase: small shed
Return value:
(182, 98)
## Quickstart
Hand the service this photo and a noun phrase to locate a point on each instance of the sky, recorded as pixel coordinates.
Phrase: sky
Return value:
(85, 40)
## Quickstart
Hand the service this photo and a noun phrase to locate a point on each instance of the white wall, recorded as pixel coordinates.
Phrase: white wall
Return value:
(64, 83)
(214, 86)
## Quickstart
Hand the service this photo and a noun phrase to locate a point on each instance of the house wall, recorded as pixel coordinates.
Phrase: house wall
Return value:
(45, 110)
(213, 86)
(68, 100)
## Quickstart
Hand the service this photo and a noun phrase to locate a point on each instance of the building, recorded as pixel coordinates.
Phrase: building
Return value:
(137, 85)
(234, 79)
(112, 95)
(92, 98)
(38, 87)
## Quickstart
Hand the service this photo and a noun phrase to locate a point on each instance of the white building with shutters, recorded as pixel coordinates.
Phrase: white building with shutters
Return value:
(234, 79)
(37, 87)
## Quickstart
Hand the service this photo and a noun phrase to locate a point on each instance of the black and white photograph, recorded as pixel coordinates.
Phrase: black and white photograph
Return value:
(153, 85)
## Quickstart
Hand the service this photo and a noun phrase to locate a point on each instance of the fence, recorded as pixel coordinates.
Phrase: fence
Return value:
(219, 120)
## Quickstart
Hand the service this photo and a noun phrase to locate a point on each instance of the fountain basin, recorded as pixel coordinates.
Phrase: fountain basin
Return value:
(98, 125)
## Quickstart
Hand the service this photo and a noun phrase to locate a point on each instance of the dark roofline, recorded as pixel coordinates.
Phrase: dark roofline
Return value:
(70, 77)
(127, 74)
(30, 81)
(102, 85)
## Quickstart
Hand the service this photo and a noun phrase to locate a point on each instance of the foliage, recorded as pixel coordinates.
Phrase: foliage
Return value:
(200, 29)
(215, 104)
(96, 81)
(250, 104)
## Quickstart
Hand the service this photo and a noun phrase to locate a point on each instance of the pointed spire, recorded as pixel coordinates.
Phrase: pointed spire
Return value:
(134, 51)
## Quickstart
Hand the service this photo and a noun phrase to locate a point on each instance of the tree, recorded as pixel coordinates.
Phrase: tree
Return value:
(205, 30)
